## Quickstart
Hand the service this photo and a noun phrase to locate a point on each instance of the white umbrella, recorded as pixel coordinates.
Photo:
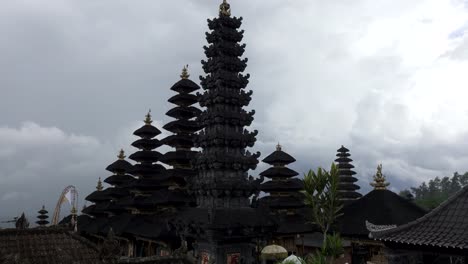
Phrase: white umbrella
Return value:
(274, 252)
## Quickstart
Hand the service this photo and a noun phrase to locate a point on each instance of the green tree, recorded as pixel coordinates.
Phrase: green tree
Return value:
(321, 195)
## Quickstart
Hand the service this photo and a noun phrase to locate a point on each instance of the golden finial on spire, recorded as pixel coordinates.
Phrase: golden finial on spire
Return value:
(121, 155)
(73, 210)
(148, 120)
(278, 147)
(99, 185)
(185, 74)
(225, 9)
(379, 180)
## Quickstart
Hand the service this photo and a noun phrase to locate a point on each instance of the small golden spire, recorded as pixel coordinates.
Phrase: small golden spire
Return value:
(148, 120)
(73, 210)
(225, 9)
(278, 147)
(121, 155)
(99, 185)
(185, 74)
(379, 180)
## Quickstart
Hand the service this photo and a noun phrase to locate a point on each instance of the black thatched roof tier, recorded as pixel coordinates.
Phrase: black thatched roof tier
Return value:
(116, 192)
(343, 159)
(147, 131)
(182, 157)
(167, 197)
(119, 223)
(444, 228)
(290, 185)
(279, 172)
(180, 172)
(295, 224)
(92, 225)
(145, 156)
(116, 208)
(284, 202)
(347, 185)
(150, 184)
(279, 157)
(119, 166)
(43, 211)
(179, 141)
(183, 112)
(98, 196)
(185, 86)
(145, 169)
(119, 180)
(92, 210)
(182, 126)
(183, 99)
(379, 207)
(146, 143)
(225, 218)
(342, 149)
(346, 195)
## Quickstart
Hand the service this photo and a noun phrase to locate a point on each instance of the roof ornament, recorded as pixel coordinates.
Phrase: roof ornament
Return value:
(225, 9)
(379, 180)
(377, 228)
(278, 147)
(99, 185)
(121, 155)
(22, 222)
(185, 74)
(148, 120)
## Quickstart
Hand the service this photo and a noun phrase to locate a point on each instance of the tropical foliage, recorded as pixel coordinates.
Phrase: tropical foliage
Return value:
(429, 195)
(321, 195)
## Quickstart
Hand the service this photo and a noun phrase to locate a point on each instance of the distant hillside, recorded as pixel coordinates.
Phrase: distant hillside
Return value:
(430, 195)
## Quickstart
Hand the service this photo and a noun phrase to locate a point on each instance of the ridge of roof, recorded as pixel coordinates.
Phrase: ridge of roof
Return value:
(378, 235)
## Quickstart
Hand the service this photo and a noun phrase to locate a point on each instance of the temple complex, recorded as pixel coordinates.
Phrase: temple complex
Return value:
(199, 203)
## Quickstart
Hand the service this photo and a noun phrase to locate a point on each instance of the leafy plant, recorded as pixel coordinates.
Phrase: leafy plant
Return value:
(321, 195)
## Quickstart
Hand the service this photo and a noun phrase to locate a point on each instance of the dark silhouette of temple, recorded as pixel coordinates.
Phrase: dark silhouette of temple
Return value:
(198, 197)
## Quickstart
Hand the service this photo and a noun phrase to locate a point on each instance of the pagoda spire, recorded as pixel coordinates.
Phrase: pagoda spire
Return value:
(148, 119)
(347, 188)
(379, 180)
(42, 217)
(225, 9)
(185, 74)
(121, 155)
(183, 130)
(284, 188)
(99, 185)
(224, 161)
(222, 185)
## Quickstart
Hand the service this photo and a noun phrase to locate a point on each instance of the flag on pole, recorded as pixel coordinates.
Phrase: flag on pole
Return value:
(68, 196)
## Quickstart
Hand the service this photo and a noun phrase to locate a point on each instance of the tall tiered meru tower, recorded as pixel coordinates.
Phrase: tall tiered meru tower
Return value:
(223, 187)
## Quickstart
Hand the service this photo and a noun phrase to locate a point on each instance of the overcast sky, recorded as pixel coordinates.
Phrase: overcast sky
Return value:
(388, 79)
